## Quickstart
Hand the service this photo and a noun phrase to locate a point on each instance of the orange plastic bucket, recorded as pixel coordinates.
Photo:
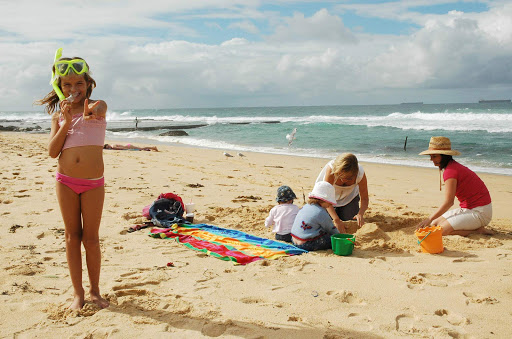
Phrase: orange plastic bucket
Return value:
(430, 239)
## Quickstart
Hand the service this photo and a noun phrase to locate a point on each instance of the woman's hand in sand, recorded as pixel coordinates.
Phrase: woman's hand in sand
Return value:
(424, 223)
(339, 225)
(360, 220)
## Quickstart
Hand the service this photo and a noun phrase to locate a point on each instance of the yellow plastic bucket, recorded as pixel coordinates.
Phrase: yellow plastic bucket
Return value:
(343, 244)
(430, 239)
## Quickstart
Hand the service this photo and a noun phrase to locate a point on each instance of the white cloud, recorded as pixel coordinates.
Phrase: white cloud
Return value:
(322, 26)
(305, 60)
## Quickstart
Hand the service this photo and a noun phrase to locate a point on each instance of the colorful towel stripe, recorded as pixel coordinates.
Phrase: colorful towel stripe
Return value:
(226, 244)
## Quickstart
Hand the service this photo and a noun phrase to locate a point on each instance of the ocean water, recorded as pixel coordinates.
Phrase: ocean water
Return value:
(375, 133)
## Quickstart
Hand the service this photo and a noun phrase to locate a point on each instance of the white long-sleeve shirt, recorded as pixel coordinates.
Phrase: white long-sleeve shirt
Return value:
(282, 217)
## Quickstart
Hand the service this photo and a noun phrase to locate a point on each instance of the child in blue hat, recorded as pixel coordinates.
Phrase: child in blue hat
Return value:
(283, 214)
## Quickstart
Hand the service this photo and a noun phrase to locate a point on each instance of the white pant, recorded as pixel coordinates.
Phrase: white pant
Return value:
(464, 219)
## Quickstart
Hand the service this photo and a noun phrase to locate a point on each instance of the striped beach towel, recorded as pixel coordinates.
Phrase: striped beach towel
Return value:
(226, 244)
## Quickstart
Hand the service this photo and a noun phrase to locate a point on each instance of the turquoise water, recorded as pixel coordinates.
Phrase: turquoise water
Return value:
(376, 133)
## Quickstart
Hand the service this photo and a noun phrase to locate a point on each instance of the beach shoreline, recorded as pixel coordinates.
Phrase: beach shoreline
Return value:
(386, 288)
(392, 134)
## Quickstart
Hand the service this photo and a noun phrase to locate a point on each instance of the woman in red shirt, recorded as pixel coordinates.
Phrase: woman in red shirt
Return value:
(475, 210)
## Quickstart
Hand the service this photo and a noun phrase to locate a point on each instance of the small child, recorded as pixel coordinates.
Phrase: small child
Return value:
(283, 214)
(313, 226)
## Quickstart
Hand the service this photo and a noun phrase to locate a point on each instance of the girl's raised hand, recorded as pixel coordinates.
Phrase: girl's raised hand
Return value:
(65, 110)
(91, 110)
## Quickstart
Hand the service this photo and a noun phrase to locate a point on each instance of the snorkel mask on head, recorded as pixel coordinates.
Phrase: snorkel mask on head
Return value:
(62, 68)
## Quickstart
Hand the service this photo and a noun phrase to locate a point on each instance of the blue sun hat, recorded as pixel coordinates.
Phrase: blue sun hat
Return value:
(284, 194)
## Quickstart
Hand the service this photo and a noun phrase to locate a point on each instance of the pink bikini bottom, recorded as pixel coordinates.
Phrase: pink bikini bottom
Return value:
(79, 185)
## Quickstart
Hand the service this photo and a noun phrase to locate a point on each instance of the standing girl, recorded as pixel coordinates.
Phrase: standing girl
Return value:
(77, 137)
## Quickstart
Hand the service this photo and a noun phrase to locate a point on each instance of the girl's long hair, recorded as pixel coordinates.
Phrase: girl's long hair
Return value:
(51, 100)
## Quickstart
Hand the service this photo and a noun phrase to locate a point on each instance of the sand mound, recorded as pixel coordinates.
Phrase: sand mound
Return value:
(370, 232)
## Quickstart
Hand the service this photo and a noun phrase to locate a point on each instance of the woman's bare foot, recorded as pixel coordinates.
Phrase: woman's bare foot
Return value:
(78, 303)
(98, 300)
(483, 230)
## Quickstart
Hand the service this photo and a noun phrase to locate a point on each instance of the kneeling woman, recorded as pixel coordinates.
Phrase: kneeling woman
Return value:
(350, 185)
(475, 210)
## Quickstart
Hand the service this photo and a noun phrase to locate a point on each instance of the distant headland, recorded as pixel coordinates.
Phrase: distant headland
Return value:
(494, 101)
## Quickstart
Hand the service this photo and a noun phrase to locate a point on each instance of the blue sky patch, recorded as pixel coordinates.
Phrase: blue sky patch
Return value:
(466, 7)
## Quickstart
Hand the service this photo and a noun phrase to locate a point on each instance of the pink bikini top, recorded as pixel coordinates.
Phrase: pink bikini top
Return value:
(85, 132)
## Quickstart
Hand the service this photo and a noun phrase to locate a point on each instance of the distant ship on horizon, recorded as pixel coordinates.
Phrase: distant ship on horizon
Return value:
(412, 103)
(494, 101)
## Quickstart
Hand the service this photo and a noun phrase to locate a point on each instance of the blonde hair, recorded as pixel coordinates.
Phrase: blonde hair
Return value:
(345, 163)
(312, 201)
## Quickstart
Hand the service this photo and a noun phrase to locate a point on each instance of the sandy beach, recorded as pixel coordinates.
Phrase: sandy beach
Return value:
(386, 288)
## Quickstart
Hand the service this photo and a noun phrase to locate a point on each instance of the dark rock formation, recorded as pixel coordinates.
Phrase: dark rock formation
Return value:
(174, 133)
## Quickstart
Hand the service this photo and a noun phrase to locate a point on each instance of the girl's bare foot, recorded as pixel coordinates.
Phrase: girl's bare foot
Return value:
(483, 230)
(78, 303)
(98, 300)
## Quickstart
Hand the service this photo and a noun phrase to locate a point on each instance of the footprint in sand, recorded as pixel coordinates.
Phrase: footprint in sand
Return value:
(177, 305)
(60, 250)
(124, 275)
(436, 279)
(293, 266)
(467, 259)
(130, 215)
(211, 329)
(452, 318)
(25, 269)
(405, 322)
(251, 300)
(137, 292)
(445, 332)
(346, 297)
(130, 288)
(479, 299)
(360, 322)
(503, 256)
(415, 281)
(377, 260)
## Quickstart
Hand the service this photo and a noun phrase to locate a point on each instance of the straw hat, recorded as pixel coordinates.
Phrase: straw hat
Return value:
(440, 145)
(323, 191)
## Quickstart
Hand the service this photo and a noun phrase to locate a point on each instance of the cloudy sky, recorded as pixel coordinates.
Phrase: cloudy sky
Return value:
(224, 53)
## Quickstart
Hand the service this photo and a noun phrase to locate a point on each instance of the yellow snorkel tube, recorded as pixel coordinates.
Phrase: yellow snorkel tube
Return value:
(53, 81)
